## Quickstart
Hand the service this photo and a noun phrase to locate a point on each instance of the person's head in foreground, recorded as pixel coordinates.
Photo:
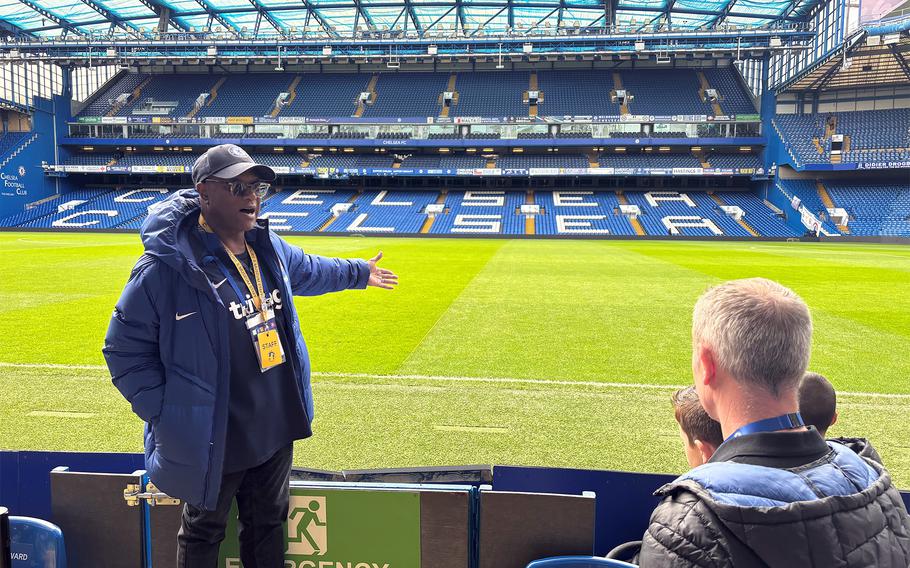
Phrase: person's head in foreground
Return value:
(699, 432)
(817, 402)
(750, 347)
(774, 493)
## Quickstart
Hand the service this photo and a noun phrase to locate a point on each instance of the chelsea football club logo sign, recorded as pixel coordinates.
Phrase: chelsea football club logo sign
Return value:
(21, 170)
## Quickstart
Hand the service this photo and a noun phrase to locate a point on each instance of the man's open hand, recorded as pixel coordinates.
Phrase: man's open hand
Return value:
(380, 277)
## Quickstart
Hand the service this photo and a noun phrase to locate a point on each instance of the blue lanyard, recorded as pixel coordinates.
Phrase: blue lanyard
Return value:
(782, 422)
(207, 239)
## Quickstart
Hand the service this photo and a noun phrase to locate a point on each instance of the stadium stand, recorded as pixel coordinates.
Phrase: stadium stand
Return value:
(735, 99)
(870, 136)
(557, 160)
(580, 212)
(876, 209)
(103, 101)
(739, 160)
(648, 160)
(807, 191)
(683, 208)
(491, 93)
(351, 161)
(407, 94)
(332, 94)
(158, 159)
(303, 209)
(93, 159)
(286, 160)
(664, 92)
(758, 216)
(481, 212)
(576, 93)
(386, 212)
(247, 95)
(10, 140)
(90, 208)
(178, 93)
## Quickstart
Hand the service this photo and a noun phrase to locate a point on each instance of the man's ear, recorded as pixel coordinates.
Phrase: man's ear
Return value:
(706, 450)
(708, 366)
(833, 419)
(203, 192)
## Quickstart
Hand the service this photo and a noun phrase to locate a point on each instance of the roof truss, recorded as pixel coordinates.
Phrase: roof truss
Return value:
(216, 16)
(164, 11)
(129, 27)
(68, 26)
(265, 14)
(361, 12)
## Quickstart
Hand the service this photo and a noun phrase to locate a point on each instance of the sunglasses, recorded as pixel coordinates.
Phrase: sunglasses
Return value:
(240, 189)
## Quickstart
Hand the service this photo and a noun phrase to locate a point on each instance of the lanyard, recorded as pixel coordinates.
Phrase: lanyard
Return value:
(782, 422)
(258, 293)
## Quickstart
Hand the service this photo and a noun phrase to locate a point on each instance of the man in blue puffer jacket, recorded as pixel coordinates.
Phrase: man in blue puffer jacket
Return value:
(774, 494)
(206, 345)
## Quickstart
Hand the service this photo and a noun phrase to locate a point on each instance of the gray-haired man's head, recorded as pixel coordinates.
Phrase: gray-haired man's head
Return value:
(759, 332)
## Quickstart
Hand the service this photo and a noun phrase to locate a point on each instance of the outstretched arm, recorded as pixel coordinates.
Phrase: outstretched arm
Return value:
(312, 275)
(380, 277)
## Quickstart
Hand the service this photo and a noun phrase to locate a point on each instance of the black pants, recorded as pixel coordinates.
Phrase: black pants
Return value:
(262, 499)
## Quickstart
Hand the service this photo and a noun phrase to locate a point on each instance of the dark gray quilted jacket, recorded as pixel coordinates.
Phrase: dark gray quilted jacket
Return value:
(839, 511)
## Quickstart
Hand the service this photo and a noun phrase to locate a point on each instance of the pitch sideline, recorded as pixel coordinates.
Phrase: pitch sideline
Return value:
(458, 379)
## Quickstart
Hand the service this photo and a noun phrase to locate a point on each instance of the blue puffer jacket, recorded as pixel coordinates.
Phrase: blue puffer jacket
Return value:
(840, 511)
(176, 373)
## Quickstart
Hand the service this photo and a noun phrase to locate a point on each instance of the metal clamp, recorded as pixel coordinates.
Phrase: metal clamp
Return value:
(133, 494)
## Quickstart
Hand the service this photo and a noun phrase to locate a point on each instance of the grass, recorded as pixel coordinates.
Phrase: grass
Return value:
(490, 351)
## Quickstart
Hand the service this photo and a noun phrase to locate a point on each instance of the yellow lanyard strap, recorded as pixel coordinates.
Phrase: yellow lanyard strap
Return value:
(258, 292)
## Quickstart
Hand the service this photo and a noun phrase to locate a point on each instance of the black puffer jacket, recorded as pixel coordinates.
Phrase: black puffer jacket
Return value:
(861, 446)
(838, 511)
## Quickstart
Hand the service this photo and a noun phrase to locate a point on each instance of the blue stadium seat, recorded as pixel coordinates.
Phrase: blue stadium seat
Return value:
(402, 211)
(300, 209)
(875, 208)
(407, 95)
(247, 95)
(689, 204)
(182, 89)
(580, 92)
(36, 543)
(806, 190)
(491, 93)
(9, 141)
(327, 95)
(578, 562)
(587, 212)
(664, 92)
(874, 135)
(101, 103)
(735, 99)
(491, 212)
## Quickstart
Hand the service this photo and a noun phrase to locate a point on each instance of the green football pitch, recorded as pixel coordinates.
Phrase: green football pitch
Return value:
(544, 352)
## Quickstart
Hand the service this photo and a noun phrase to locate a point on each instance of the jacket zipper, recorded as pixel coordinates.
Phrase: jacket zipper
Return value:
(208, 471)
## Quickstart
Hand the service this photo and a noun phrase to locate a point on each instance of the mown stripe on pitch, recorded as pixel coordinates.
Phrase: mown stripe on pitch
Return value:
(456, 379)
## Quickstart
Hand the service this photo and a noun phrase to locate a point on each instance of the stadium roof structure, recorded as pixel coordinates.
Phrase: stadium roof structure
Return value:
(878, 54)
(350, 18)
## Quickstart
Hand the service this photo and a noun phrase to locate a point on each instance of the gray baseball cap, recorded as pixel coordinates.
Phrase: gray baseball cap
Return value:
(228, 161)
